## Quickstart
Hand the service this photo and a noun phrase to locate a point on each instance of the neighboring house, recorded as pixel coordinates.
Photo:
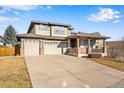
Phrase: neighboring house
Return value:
(1, 41)
(3, 44)
(49, 38)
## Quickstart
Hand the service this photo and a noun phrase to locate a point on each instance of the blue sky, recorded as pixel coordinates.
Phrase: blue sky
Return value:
(108, 20)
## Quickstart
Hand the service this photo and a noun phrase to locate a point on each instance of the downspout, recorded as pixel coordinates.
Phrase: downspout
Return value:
(50, 30)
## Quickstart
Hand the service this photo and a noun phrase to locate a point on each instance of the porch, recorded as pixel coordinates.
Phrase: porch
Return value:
(85, 51)
(82, 45)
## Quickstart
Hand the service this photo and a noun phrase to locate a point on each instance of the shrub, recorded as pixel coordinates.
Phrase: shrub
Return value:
(94, 55)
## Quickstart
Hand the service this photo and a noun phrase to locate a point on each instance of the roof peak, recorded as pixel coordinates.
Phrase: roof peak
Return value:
(33, 22)
(51, 23)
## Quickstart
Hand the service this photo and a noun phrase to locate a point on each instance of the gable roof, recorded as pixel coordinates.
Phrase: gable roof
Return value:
(48, 23)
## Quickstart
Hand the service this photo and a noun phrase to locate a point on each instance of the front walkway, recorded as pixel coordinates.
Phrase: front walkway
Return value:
(66, 71)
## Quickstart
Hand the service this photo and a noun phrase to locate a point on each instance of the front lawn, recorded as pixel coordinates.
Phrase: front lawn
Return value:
(111, 62)
(13, 73)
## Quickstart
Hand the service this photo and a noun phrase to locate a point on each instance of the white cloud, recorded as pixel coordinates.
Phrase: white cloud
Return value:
(104, 15)
(4, 19)
(5, 10)
(21, 7)
(16, 8)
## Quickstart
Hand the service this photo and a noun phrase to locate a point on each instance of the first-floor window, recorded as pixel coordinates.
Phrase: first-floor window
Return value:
(85, 43)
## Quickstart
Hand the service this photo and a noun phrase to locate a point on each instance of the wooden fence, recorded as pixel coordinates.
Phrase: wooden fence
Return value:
(115, 52)
(6, 51)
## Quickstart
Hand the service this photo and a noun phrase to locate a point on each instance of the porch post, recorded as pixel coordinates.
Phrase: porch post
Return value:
(104, 48)
(78, 46)
(69, 43)
(41, 47)
(22, 48)
(89, 47)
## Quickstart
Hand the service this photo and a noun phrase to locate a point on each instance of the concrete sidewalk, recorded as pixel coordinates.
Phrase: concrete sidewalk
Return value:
(61, 71)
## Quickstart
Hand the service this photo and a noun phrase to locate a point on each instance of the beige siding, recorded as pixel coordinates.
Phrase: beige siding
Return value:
(36, 30)
(99, 43)
(33, 30)
(68, 32)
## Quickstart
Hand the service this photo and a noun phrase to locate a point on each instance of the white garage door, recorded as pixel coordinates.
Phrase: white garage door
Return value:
(31, 47)
(51, 48)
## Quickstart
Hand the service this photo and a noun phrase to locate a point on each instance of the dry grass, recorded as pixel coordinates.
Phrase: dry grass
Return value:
(13, 73)
(111, 62)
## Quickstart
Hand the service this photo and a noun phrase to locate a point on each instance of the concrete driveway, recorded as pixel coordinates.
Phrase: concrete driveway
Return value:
(61, 71)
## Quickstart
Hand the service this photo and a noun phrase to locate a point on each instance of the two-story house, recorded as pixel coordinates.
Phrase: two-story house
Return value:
(45, 38)
(48, 38)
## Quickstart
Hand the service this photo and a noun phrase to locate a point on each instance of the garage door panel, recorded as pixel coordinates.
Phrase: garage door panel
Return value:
(31, 47)
(51, 48)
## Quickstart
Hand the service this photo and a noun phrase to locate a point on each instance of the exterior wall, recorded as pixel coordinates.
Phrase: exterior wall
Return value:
(68, 32)
(83, 52)
(99, 44)
(33, 30)
(36, 30)
(22, 48)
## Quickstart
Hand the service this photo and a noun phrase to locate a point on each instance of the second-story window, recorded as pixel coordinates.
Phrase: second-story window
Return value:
(59, 30)
(43, 27)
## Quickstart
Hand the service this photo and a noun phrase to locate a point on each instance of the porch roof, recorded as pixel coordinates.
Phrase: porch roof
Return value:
(95, 35)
